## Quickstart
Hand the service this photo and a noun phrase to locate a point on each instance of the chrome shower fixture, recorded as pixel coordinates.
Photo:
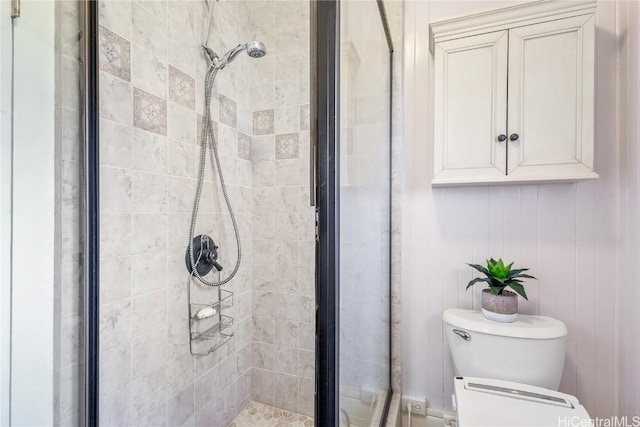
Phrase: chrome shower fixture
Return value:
(254, 49)
(213, 57)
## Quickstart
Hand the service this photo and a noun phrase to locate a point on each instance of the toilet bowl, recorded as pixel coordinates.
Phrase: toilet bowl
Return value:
(507, 374)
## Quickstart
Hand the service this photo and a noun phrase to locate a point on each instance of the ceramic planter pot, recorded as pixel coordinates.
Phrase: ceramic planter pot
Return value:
(500, 308)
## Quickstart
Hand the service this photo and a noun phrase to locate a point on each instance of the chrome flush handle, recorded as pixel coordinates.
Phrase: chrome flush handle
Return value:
(462, 334)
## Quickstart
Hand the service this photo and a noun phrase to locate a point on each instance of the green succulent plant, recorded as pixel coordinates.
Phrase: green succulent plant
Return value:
(500, 276)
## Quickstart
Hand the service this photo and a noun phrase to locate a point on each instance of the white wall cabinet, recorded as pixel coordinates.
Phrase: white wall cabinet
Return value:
(514, 95)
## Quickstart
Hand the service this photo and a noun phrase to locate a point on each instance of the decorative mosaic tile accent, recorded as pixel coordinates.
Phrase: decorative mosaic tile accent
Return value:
(263, 122)
(244, 146)
(115, 54)
(260, 415)
(228, 113)
(287, 146)
(149, 112)
(304, 117)
(182, 88)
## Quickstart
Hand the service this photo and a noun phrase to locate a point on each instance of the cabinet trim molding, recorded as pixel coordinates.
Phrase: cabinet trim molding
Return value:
(561, 176)
(507, 17)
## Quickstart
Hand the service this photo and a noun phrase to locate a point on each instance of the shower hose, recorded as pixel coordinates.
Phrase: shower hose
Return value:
(209, 142)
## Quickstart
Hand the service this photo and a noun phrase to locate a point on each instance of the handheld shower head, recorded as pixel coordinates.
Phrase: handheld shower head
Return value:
(254, 49)
(230, 56)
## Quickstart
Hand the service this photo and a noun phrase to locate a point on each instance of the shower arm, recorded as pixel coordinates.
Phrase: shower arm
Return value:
(205, 37)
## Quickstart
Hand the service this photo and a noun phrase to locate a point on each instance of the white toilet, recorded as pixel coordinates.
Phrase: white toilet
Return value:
(507, 374)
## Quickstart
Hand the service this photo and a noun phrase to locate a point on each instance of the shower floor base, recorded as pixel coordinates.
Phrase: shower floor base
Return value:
(261, 415)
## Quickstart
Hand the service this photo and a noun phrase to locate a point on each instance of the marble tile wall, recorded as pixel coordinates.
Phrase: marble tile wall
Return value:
(152, 106)
(283, 222)
(151, 118)
(68, 237)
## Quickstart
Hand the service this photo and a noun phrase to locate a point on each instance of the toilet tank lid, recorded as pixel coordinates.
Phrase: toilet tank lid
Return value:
(531, 327)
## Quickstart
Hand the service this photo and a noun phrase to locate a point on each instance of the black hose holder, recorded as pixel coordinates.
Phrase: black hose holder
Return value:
(205, 255)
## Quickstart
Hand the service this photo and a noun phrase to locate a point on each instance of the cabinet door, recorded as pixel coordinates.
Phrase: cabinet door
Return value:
(551, 99)
(470, 109)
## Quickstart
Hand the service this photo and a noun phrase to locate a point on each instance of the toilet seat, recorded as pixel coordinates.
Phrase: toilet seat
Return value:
(485, 402)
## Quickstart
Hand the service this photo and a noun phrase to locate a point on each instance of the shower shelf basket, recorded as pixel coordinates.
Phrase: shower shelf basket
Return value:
(210, 333)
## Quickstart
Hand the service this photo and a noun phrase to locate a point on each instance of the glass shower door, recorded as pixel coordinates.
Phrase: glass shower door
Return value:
(354, 213)
(365, 213)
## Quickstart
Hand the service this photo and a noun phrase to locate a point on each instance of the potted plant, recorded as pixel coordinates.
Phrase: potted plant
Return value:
(498, 303)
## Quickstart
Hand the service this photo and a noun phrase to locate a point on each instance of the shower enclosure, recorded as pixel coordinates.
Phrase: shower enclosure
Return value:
(216, 225)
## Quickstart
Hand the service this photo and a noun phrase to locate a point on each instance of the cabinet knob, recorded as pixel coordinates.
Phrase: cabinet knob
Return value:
(502, 137)
(514, 137)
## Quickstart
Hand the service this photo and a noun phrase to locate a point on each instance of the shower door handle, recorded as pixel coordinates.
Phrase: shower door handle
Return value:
(312, 170)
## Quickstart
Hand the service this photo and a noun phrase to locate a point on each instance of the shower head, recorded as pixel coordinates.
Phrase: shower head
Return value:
(254, 49)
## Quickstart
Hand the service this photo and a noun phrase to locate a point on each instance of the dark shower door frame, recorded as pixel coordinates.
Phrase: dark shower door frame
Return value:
(325, 178)
(90, 387)
(325, 36)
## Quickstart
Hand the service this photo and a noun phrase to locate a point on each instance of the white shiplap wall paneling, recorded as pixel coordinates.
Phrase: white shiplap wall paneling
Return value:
(567, 234)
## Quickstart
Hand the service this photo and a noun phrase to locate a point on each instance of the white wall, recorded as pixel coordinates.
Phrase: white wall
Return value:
(33, 216)
(566, 233)
(628, 318)
(5, 211)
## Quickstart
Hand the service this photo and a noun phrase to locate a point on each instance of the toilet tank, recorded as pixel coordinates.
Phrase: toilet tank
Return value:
(529, 350)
